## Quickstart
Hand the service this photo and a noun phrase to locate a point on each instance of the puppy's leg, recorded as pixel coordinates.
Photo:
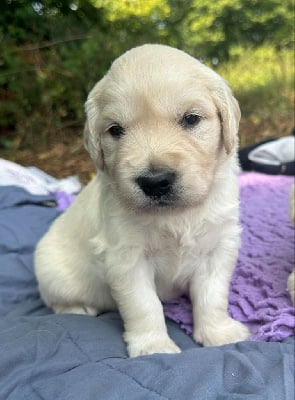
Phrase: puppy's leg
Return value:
(209, 294)
(69, 278)
(141, 311)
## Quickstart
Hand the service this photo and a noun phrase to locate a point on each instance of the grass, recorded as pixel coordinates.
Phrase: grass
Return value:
(263, 82)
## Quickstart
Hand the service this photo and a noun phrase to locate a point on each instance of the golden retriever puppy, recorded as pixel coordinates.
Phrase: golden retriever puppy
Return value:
(161, 217)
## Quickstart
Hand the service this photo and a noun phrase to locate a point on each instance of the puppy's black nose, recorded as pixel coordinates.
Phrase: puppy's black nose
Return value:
(157, 183)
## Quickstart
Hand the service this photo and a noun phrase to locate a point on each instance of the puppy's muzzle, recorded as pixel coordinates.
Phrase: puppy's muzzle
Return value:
(157, 183)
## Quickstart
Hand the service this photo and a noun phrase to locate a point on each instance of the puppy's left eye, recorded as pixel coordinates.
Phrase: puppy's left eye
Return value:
(190, 120)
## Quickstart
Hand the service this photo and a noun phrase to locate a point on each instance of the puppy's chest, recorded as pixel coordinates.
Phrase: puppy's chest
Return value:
(175, 256)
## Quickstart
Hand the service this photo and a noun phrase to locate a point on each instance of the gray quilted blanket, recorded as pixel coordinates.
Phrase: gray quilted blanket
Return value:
(49, 357)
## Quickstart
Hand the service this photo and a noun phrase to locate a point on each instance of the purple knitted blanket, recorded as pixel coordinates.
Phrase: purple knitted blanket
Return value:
(258, 295)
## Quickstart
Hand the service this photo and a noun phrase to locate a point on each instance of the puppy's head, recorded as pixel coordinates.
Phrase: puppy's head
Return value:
(160, 123)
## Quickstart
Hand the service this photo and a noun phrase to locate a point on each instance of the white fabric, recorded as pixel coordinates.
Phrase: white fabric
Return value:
(274, 153)
(34, 180)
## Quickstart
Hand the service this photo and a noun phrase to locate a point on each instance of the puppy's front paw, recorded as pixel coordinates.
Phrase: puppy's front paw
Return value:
(222, 331)
(144, 344)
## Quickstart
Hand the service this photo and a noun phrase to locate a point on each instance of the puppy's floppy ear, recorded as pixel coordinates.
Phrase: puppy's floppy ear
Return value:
(229, 113)
(92, 139)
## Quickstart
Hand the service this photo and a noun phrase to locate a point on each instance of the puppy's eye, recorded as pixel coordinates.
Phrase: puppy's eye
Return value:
(116, 131)
(190, 120)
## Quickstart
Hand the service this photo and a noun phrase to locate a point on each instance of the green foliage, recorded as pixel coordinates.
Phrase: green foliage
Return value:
(263, 82)
(53, 51)
(212, 28)
(264, 78)
(42, 74)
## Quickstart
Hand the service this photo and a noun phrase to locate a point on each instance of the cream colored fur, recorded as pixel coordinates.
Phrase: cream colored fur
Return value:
(115, 247)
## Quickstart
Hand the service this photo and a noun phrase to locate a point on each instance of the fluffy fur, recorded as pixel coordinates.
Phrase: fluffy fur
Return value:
(116, 246)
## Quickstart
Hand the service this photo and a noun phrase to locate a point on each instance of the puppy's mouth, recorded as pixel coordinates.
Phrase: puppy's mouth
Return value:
(164, 202)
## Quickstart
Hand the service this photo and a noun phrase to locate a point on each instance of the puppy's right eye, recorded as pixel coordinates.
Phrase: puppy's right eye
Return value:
(116, 131)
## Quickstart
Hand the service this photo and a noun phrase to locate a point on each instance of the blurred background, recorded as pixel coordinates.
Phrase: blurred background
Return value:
(53, 51)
